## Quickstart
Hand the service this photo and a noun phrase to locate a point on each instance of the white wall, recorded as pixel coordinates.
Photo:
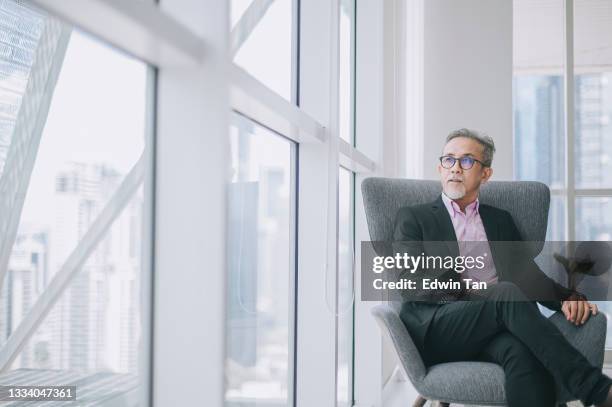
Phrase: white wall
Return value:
(467, 70)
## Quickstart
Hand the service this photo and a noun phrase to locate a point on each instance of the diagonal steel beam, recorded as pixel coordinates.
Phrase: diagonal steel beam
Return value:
(72, 265)
(247, 23)
(29, 126)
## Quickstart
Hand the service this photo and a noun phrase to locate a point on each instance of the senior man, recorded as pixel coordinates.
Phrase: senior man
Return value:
(506, 328)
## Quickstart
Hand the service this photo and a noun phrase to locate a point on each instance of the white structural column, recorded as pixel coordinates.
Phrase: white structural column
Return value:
(192, 153)
(317, 223)
(369, 137)
(468, 76)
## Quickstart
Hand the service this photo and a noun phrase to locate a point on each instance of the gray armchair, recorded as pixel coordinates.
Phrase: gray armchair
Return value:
(473, 383)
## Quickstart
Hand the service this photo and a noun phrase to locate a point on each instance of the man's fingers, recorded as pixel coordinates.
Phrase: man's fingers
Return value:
(572, 309)
(586, 313)
(565, 309)
(580, 311)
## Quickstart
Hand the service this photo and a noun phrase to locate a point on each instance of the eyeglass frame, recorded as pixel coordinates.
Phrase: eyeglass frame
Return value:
(459, 159)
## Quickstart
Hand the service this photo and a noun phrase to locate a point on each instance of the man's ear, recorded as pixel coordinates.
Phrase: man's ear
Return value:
(487, 173)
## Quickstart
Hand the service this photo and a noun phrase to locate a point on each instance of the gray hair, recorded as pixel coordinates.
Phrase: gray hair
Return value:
(484, 140)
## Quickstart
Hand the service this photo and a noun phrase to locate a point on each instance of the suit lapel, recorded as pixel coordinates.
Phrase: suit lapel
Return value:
(491, 227)
(445, 225)
(489, 222)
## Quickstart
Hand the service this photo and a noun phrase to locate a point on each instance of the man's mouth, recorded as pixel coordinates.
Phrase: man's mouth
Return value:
(455, 180)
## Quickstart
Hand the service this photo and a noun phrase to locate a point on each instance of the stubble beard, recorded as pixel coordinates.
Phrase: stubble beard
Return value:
(455, 190)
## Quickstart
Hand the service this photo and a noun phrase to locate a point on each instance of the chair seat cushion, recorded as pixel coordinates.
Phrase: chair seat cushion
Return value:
(465, 383)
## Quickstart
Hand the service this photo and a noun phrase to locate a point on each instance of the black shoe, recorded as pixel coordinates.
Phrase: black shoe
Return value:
(608, 401)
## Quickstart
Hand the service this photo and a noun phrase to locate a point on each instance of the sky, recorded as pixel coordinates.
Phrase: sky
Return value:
(97, 115)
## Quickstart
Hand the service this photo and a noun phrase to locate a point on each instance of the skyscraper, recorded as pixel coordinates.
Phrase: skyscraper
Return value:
(94, 324)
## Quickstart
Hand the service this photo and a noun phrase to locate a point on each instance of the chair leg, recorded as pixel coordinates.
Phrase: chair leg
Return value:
(419, 402)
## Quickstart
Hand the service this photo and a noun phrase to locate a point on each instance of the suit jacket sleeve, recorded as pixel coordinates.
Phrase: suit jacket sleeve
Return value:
(537, 277)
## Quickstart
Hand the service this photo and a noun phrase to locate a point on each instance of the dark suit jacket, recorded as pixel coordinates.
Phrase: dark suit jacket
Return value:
(432, 222)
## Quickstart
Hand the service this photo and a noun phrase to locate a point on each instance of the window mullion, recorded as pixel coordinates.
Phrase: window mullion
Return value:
(353, 159)
(255, 100)
(569, 122)
(139, 28)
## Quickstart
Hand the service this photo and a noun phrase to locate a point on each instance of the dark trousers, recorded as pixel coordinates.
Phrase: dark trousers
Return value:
(508, 329)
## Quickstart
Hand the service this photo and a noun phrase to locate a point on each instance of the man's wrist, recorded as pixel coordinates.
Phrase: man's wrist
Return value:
(576, 296)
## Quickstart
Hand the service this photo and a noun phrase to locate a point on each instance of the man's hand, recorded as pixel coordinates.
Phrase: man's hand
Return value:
(577, 312)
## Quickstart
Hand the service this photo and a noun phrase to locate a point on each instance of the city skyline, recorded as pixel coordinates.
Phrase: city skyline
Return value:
(80, 332)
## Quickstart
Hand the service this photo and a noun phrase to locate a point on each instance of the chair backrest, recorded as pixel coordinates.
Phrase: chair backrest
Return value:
(527, 202)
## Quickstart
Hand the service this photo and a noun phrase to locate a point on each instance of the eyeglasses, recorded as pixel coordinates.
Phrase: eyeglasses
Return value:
(465, 163)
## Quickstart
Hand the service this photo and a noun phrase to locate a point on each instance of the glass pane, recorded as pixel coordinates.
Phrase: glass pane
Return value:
(606, 307)
(556, 219)
(593, 130)
(538, 94)
(266, 51)
(237, 9)
(261, 265)
(346, 69)
(593, 220)
(593, 92)
(93, 333)
(346, 277)
(94, 133)
(539, 153)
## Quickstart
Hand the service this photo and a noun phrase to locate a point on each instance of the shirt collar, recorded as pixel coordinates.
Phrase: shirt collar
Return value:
(453, 208)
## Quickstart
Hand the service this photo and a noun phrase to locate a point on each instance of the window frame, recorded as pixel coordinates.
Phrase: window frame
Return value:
(570, 193)
(186, 42)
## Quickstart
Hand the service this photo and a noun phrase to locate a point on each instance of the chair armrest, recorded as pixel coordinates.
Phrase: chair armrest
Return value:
(589, 339)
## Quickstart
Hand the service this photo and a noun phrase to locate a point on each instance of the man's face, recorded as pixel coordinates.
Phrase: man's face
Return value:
(458, 183)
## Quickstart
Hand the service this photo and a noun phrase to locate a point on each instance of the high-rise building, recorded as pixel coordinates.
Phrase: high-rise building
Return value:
(94, 324)
(26, 278)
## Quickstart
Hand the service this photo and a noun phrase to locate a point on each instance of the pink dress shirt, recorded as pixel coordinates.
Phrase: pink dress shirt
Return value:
(469, 228)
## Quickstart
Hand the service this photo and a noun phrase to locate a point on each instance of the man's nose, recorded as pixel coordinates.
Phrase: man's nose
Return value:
(456, 168)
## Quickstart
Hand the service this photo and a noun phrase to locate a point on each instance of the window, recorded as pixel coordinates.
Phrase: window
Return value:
(260, 337)
(539, 128)
(72, 301)
(261, 262)
(265, 182)
(593, 130)
(262, 41)
(581, 182)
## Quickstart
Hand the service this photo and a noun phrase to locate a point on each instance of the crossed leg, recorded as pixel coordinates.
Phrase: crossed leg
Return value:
(508, 329)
